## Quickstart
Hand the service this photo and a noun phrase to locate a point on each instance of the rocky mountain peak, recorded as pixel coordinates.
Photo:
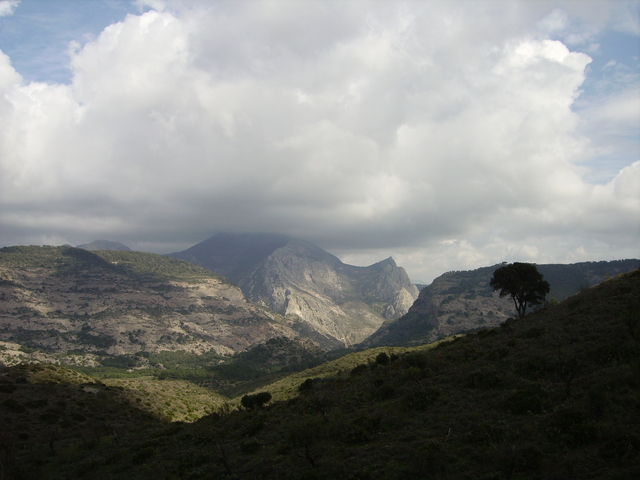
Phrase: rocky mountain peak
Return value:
(387, 261)
(339, 302)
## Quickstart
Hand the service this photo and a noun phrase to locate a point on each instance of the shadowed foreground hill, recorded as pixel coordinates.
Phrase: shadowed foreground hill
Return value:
(553, 395)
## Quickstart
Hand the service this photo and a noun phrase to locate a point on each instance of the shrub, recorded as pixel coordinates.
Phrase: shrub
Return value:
(382, 359)
(484, 377)
(14, 406)
(385, 392)
(256, 400)
(529, 400)
(249, 447)
(359, 369)
(422, 398)
(306, 385)
(416, 360)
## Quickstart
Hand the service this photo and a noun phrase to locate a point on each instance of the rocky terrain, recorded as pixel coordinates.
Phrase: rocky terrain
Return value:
(462, 301)
(336, 304)
(73, 305)
(553, 395)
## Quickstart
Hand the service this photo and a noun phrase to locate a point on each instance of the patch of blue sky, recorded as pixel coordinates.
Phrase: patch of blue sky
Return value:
(611, 78)
(38, 35)
(615, 65)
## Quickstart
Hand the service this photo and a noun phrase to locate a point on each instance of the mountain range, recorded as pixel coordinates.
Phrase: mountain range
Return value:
(76, 305)
(463, 301)
(334, 304)
(553, 395)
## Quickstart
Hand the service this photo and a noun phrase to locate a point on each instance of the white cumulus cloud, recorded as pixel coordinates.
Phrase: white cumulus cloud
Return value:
(7, 7)
(420, 130)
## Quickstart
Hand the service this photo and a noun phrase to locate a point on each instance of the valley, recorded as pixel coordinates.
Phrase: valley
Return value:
(552, 395)
(122, 364)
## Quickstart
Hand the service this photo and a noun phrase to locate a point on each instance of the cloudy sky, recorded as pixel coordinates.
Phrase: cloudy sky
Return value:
(448, 134)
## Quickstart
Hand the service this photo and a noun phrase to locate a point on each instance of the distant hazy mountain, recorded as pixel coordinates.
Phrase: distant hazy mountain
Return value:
(62, 299)
(331, 302)
(104, 245)
(461, 301)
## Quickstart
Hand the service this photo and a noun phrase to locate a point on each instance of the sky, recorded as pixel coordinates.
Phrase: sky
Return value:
(450, 135)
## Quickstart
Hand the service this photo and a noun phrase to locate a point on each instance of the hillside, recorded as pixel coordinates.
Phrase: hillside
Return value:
(79, 307)
(464, 301)
(333, 303)
(552, 395)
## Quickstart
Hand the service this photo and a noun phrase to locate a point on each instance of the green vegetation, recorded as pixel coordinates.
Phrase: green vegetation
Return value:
(74, 261)
(230, 375)
(256, 400)
(552, 395)
(150, 266)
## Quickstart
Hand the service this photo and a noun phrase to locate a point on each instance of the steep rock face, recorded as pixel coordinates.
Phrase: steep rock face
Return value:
(461, 301)
(331, 302)
(64, 299)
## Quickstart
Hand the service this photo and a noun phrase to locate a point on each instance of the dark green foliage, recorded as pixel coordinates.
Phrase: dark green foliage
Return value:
(249, 448)
(306, 385)
(149, 266)
(382, 359)
(12, 405)
(360, 369)
(485, 377)
(98, 340)
(385, 392)
(417, 360)
(532, 399)
(523, 283)
(7, 387)
(119, 361)
(256, 400)
(422, 398)
(361, 429)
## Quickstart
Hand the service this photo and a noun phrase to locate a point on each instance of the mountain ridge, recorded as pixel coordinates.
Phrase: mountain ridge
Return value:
(340, 302)
(64, 299)
(461, 301)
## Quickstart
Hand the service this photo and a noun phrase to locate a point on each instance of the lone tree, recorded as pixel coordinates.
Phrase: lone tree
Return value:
(523, 282)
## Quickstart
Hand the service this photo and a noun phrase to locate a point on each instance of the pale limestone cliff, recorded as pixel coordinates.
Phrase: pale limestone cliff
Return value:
(320, 295)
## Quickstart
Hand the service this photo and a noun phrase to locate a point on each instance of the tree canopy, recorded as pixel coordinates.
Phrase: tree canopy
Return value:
(523, 282)
(256, 400)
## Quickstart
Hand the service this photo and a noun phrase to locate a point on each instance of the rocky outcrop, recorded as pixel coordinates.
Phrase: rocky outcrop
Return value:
(65, 300)
(461, 301)
(331, 302)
